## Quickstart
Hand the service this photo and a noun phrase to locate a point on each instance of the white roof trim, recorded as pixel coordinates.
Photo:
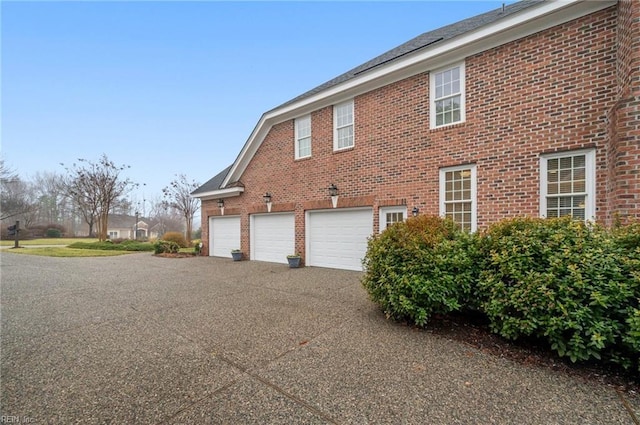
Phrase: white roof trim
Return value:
(529, 21)
(221, 193)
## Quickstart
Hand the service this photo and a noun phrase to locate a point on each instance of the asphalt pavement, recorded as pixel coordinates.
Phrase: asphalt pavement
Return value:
(147, 340)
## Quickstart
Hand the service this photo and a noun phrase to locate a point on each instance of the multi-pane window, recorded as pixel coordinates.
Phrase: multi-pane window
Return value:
(392, 215)
(447, 94)
(567, 187)
(457, 196)
(303, 137)
(343, 125)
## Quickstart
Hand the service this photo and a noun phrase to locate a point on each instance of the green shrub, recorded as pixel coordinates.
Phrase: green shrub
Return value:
(53, 233)
(573, 285)
(420, 267)
(196, 246)
(176, 237)
(166, 247)
(110, 246)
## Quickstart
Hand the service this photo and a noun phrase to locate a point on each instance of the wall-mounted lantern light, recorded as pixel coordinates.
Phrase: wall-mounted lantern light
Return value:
(333, 192)
(415, 211)
(221, 206)
(267, 200)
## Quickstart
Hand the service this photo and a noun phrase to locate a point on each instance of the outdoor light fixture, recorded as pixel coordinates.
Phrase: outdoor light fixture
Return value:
(221, 206)
(267, 200)
(415, 211)
(333, 192)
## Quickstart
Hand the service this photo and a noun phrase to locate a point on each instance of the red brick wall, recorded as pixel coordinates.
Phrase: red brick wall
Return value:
(623, 188)
(548, 92)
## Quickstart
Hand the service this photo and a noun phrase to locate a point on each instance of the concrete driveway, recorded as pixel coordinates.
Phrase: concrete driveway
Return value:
(139, 339)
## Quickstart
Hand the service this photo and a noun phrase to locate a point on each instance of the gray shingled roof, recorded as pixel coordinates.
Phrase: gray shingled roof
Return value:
(214, 183)
(420, 42)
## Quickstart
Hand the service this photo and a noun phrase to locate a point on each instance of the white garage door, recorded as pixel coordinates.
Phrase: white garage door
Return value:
(224, 235)
(338, 238)
(272, 237)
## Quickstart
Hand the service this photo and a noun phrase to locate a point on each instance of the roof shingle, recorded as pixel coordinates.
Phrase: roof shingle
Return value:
(420, 42)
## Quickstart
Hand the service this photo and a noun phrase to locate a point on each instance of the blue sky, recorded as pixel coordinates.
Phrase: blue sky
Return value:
(177, 87)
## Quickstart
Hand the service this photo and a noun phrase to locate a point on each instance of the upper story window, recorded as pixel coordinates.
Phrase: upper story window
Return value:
(458, 195)
(343, 126)
(567, 185)
(447, 104)
(303, 137)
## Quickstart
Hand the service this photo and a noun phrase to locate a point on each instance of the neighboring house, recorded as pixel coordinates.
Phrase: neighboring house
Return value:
(532, 109)
(124, 227)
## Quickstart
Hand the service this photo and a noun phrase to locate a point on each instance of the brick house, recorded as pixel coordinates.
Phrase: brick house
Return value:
(532, 109)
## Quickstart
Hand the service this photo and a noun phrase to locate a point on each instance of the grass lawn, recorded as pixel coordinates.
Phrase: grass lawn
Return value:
(34, 247)
(65, 252)
(49, 241)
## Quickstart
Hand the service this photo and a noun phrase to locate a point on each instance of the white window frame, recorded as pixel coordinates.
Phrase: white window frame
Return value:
(433, 99)
(382, 215)
(336, 128)
(299, 121)
(590, 180)
(473, 200)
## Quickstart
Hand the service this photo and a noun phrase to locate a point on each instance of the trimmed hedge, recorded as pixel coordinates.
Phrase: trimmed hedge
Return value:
(126, 245)
(575, 286)
(53, 233)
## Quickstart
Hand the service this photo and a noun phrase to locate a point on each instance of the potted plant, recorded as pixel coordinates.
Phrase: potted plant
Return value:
(294, 260)
(236, 254)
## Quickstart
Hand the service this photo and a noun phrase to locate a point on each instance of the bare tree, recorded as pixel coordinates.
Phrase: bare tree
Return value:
(6, 173)
(178, 196)
(166, 219)
(94, 187)
(50, 192)
(17, 197)
(122, 206)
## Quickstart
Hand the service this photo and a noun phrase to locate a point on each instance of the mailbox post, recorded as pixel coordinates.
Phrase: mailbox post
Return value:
(14, 230)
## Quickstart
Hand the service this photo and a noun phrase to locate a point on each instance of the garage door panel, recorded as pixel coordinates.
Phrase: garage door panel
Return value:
(338, 239)
(224, 236)
(272, 237)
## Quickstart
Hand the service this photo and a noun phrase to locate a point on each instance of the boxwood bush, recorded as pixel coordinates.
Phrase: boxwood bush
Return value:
(572, 285)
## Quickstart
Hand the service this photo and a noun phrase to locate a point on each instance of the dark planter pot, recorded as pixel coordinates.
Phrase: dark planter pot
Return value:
(237, 256)
(294, 262)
